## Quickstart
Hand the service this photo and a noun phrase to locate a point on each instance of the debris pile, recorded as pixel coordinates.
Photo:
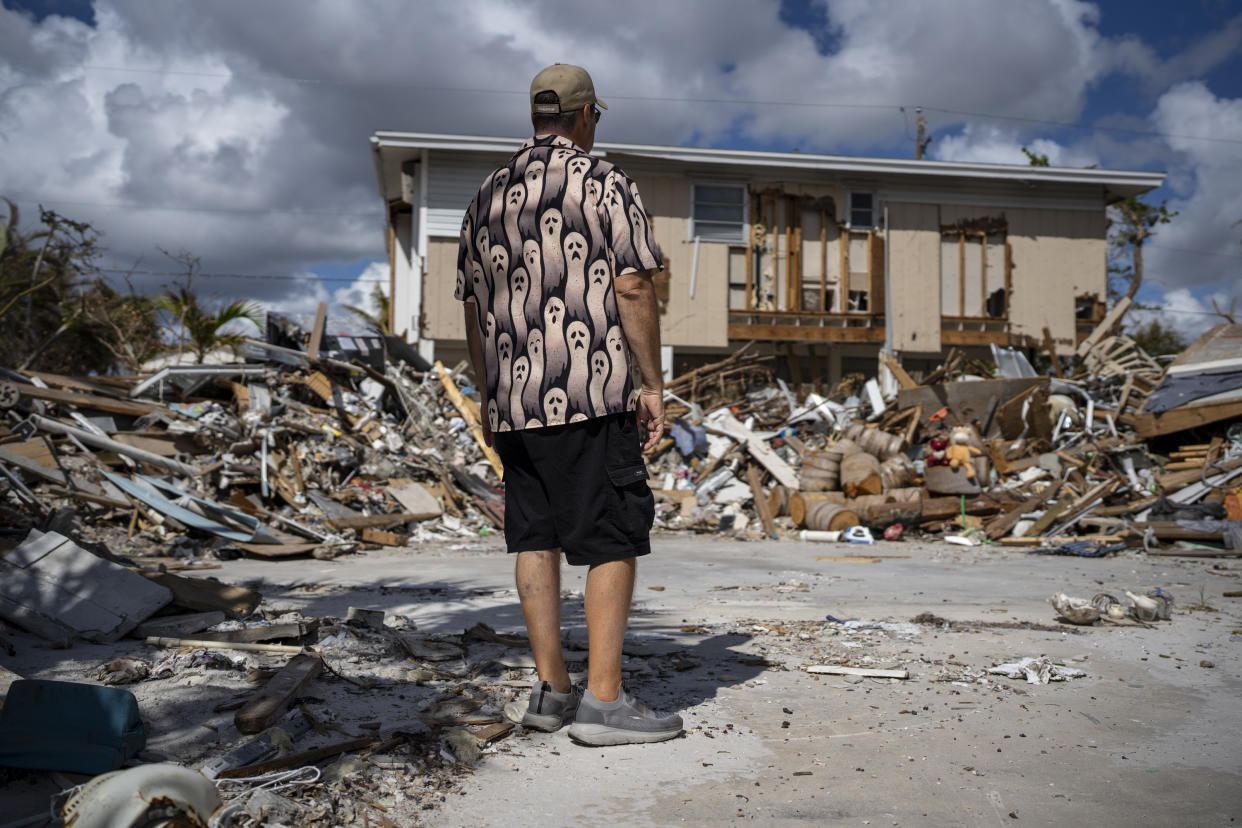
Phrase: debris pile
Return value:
(286, 456)
(1122, 454)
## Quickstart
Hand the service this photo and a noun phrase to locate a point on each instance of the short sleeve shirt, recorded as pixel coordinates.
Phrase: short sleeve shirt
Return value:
(540, 245)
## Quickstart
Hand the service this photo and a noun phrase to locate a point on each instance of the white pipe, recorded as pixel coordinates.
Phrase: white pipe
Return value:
(694, 267)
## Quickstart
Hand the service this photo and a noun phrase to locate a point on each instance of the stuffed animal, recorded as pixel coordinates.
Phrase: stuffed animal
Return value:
(936, 456)
(960, 452)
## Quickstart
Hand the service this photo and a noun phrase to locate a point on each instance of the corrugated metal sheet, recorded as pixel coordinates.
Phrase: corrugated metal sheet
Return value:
(452, 181)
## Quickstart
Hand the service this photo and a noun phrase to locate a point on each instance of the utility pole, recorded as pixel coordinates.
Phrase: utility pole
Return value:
(920, 143)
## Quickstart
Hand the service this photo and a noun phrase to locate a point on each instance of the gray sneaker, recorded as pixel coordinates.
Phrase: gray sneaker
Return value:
(546, 709)
(621, 722)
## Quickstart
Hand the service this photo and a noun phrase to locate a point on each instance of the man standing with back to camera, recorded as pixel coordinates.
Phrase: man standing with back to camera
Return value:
(555, 270)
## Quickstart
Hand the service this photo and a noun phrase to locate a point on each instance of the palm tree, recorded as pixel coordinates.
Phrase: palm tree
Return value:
(378, 321)
(201, 330)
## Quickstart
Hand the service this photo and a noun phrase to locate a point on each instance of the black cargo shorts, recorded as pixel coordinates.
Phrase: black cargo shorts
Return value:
(581, 487)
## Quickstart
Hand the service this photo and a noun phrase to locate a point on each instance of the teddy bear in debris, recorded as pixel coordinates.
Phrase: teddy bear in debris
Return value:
(960, 452)
(936, 456)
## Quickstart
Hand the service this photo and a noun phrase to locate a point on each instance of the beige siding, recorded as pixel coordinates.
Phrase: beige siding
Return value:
(914, 271)
(703, 320)
(1057, 256)
(443, 318)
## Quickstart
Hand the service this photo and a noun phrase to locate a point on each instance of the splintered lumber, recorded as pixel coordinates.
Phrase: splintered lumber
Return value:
(472, 422)
(294, 760)
(112, 406)
(370, 521)
(1045, 520)
(1102, 329)
(1001, 524)
(316, 337)
(761, 501)
(175, 626)
(56, 589)
(267, 705)
(860, 474)
(211, 644)
(864, 672)
(204, 594)
(108, 444)
(729, 426)
(384, 538)
(414, 498)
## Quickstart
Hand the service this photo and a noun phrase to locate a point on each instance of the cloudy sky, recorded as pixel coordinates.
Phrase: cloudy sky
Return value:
(237, 129)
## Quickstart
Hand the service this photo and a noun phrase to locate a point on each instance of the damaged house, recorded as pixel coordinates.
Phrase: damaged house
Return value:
(824, 259)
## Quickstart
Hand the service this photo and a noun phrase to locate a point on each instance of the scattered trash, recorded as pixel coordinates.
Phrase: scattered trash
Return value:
(1036, 670)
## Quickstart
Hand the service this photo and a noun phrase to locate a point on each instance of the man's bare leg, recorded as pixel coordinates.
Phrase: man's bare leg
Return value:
(538, 576)
(609, 589)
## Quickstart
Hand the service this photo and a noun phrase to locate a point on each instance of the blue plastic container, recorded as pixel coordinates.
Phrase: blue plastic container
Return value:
(66, 726)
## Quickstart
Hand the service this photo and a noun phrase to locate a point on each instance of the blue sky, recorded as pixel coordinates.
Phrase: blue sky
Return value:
(238, 131)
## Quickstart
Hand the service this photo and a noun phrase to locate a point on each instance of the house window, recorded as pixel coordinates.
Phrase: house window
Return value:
(719, 212)
(862, 210)
(973, 282)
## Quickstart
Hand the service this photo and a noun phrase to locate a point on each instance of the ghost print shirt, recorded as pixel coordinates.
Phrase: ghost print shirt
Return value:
(540, 245)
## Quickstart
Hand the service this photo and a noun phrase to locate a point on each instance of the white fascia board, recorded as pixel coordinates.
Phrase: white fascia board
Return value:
(1118, 180)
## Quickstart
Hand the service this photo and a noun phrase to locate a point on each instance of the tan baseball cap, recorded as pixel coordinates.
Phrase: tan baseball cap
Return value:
(571, 84)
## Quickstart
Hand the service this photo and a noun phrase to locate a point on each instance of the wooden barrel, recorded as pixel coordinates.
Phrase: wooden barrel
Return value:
(896, 472)
(824, 515)
(778, 501)
(860, 474)
(910, 494)
(842, 449)
(817, 480)
(821, 460)
(799, 502)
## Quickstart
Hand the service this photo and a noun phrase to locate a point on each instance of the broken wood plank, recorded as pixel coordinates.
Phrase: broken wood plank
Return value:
(414, 498)
(56, 589)
(176, 626)
(108, 444)
(1045, 520)
(729, 426)
(52, 475)
(209, 644)
(1102, 329)
(904, 380)
(761, 500)
(265, 632)
(294, 760)
(267, 705)
(112, 406)
(1001, 524)
(205, 594)
(316, 336)
(837, 670)
(385, 538)
(369, 521)
(472, 422)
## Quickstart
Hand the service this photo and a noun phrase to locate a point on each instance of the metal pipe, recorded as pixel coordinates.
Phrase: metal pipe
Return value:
(694, 267)
(108, 444)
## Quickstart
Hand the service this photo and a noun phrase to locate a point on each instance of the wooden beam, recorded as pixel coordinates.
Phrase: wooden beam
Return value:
(1102, 329)
(805, 333)
(1185, 417)
(316, 338)
(266, 705)
(472, 422)
(761, 501)
(130, 408)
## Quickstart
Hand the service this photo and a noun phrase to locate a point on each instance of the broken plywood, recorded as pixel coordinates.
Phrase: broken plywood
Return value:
(56, 589)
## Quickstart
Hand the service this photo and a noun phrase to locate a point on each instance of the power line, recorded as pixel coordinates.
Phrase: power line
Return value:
(253, 276)
(654, 98)
(184, 208)
(1195, 252)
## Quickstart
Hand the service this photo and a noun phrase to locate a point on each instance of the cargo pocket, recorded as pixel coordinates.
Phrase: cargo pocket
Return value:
(635, 504)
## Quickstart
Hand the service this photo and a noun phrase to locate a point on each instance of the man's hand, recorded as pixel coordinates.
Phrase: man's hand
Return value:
(650, 417)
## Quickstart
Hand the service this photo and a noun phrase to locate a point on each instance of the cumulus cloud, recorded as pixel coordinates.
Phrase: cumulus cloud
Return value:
(1202, 246)
(1180, 310)
(238, 131)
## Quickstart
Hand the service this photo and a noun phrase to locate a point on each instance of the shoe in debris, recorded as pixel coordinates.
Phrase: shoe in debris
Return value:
(546, 709)
(622, 721)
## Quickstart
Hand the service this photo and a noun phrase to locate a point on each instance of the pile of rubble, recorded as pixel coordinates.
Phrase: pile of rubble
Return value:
(1123, 454)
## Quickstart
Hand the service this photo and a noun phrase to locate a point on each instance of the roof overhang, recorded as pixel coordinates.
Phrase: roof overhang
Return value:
(1115, 185)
